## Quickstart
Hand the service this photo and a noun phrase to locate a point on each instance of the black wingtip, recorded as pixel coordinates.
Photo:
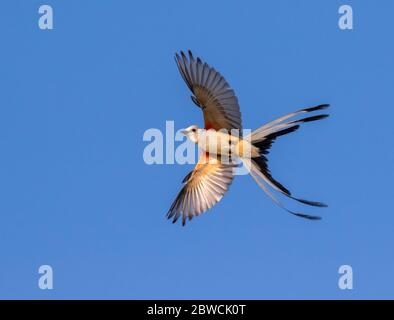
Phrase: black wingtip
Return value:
(177, 59)
(183, 54)
(170, 215)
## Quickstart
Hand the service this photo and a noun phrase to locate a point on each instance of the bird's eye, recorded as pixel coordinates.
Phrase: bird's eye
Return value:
(194, 130)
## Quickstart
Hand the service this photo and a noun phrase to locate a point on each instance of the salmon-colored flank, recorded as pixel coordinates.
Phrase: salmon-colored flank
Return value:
(208, 126)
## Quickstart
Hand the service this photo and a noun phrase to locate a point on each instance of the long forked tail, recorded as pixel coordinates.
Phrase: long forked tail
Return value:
(262, 138)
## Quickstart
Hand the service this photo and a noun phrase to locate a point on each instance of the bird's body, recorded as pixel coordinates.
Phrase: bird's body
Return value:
(221, 142)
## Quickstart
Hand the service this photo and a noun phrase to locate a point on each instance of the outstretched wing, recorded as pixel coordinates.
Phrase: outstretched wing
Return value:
(204, 187)
(211, 93)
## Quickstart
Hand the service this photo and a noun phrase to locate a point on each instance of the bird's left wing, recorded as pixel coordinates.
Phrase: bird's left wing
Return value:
(211, 92)
(204, 187)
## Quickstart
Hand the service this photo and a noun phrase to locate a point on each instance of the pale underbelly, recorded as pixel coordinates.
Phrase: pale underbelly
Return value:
(222, 144)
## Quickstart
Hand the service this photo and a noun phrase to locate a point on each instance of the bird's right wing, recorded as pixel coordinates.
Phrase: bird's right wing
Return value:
(204, 187)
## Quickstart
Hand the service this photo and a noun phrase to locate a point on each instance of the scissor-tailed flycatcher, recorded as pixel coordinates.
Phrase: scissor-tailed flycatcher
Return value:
(207, 183)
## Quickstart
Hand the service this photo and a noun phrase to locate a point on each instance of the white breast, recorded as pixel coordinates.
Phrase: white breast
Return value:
(216, 142)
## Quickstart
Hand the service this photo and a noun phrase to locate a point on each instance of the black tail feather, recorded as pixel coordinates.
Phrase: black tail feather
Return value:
(265, 145)
(315, 108)
(306, 216)
(310, 203)
(263, 167)
(313, 118)
(262, 161)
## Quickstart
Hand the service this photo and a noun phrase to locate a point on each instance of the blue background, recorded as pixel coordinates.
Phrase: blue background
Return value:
(77, 195)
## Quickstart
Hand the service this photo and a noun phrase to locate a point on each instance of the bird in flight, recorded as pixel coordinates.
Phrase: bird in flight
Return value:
(221, 141)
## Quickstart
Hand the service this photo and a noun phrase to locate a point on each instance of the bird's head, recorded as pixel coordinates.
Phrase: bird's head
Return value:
(192, 133)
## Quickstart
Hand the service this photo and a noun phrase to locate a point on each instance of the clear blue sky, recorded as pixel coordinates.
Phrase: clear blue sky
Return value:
(77, 195)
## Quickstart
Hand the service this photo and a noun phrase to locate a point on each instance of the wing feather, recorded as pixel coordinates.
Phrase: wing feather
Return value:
(211, 92)
(203, 188)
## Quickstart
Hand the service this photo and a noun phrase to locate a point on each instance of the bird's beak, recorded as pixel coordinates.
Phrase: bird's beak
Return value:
(185, 132)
